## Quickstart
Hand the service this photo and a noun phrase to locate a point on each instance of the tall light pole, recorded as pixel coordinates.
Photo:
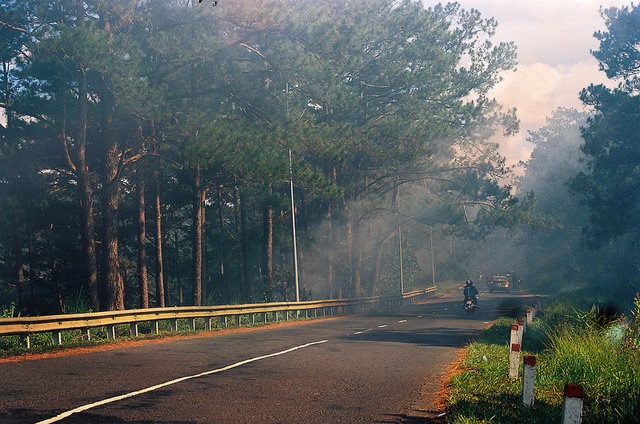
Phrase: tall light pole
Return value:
(293, 225)
(401, 264)
(433, 266)
(400, 245)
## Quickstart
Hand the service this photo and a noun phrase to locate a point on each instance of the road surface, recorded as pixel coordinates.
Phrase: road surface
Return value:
(383, 367)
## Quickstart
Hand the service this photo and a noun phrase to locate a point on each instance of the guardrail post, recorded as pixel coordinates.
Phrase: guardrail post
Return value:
(514, 361)
(86, 335)
(207, 323)
(57, 338)
(192, 324)
(572, 405)
(133, 329)
(173, 323)
(528, 379)
(226, 322)
(25, 341)
(529, 315)
(155, 327)
(111, 332)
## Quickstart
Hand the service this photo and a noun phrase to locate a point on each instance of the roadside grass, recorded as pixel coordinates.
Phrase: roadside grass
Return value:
(569, 348)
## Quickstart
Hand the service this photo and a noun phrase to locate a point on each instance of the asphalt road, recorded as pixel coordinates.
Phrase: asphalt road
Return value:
(383, 367)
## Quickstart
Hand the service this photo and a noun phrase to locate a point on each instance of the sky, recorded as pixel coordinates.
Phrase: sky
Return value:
(554, 40)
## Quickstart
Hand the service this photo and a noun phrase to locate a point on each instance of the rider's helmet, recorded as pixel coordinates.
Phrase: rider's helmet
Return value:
(469, 283)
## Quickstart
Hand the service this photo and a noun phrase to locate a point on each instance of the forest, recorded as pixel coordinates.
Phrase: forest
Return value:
(156, 153)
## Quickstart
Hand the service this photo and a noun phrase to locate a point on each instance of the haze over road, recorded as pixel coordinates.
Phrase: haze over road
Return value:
(382, 367)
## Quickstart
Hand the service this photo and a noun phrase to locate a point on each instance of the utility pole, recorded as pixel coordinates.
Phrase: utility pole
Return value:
(293, 225)
(433, 266)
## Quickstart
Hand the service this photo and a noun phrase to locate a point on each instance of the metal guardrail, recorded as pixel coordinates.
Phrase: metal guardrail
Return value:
(24, 326)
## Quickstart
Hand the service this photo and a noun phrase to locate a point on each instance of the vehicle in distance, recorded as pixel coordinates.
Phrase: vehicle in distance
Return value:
(499, 282)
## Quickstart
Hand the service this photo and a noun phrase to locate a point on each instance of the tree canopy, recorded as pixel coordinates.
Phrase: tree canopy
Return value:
(117, 108)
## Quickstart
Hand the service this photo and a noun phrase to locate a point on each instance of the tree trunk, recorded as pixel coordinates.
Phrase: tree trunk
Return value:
(160, 289)
(349, 251)
(19, 273)
(198, 235)
(113, 284)
(331, 257)
(375, 280)
(224, 275)
(143, 280)
(244, 247)
(267, 276)
(78, 164)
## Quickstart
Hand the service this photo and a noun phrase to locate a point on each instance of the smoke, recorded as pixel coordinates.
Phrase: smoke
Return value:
(536, 90)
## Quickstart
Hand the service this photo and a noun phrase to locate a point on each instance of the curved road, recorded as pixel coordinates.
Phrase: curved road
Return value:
(383, 367)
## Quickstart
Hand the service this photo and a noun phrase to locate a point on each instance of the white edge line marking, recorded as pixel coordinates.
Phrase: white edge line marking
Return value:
(168, 383)
(402, 320)
(358, 332)
(382, 326)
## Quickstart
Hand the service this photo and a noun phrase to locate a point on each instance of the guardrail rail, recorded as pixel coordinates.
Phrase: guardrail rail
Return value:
(56, 324)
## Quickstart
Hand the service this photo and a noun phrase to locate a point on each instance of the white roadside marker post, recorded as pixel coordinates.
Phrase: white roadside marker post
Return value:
(514, 361)
(520, 330)
(514, 334)
(529, 315)
(572, 406)
(528, 380)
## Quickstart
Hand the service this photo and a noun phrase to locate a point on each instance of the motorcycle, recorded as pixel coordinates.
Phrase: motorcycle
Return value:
(469, 306)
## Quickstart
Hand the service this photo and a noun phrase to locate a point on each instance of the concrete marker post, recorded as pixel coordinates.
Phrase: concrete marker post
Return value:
(572, 405)
(529, 315)
(524, 322)
(528, 380)
(520, 330)
(514, 361)
(514, 334)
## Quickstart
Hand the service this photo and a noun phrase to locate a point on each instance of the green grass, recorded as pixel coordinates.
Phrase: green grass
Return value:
(572, 346)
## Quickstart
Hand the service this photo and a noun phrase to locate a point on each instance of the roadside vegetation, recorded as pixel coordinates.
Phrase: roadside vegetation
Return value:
(594, 346)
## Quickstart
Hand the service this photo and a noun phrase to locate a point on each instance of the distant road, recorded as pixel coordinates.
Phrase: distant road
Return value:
(384, 367)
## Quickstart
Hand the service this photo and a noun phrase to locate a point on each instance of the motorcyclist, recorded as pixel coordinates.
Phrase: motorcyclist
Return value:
(470, 291)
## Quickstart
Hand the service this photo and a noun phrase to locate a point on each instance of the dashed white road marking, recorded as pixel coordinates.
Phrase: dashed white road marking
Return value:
(382, 326)
(168, 383)
(402, 320)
